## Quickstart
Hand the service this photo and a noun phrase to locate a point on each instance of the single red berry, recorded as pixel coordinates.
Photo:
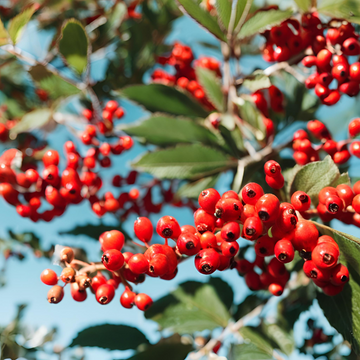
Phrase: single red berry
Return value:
(351, 47)
(339, 275)
(251, 193)
(264, 246)
(305, 236)
(325, 255)
(330, 146)
(208, 240)
(327, 192)
(49, 277)
(204, 221)
(208, 199)
(127, 298)
(228, 209)
(104, 294)
(158, 265)
(284, 251)
(229, 249)
(356, 203)
(188, 228)
(318, 129)
(113, 259)
(138, 264)
(188, 244)
(76, 293)
(315, 273)
(143, 301)
(300, 200)
(275, 182)
(143, 229)
(230, 231)
(51, 157)
(119, 113)
(355, 148)
(253, 228)
(354, 127)
(356, 187)
(276, 289)
(345, 193)
(168, 227)
(230, 194)
(341, 157)
(55, 294)
(276, 268)
(332, 290)
(309, 61)
(243, 266)
(272, 168)
(51, 174)
(207, 261)
(87, 114)
(332, 98)
(112, 239)
(252, 280)
(111, 105)
(97, 281)
(267, 207)
(334, 204)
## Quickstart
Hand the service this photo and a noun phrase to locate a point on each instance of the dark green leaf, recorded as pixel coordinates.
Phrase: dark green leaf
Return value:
(164, 130)
(248, 352)
(342, 310)
(32, 120)
(312, 177)
(263, 20)
(256, 338)
(257, 81)
(93, 231)
(192, 307)
(303, 5)
(233, 139)
(193, 189)
(184, 162)
(343, 9)
(223, 8)
(73, 45)
(17, 24)
(157, 97)
(212, 86)
(202, 16)
(163, 348)
(112, 337)
(223, 290)
(252, 116)
(54, 85)
(249, 304)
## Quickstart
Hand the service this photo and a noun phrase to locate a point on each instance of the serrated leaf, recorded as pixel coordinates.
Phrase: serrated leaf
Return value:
(18, 22)
(223, 8)
(343, 9)
(73, 45)
(203, 17)
(54, 85)
(116, 17)
(263, 20)
(252, 116)
(253, 336)
(112, 337)
(158, 97)
(192, 307)
(240, 7)
(248, 352)
(312, 177)
(185, 162)
(212, 87)
(193, 189)
(256, 81)
(31, 121)
(343, 310)
(303, 5)
(4, 36)
(164, 130)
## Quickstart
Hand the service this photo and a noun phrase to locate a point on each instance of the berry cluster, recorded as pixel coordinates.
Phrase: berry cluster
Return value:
(332, 63)
(273, 227)
(291, 37)
(262, 98)
(305, 151)
(182, 59)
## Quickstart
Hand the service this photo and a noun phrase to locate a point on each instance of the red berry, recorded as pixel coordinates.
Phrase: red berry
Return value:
(276, 289)
(51, 157)
(309, 61)
(272, 168)
(97, 281)
(284, 251)
(188, 244)
(300, 200)
(325, 255)
(76, 293)
(253, 281)
(87, 114)
(113, 259)
(355, 148)
(267, 207)
(230, 231)
(188, 228)
(119, 113)
(264, 246)
(354, 127)
(318, 129)
(332, 290)
(339, 275)
(104, 294)
(253, 228)
(332, 98)
(49, 277)
(354, 72)
(356, 203)
(127, 298)
(168, 227)
(351, 47)
(111, 105)
(143, 229)
(204, 221)
(243, 266)
(207, 261)
(315, 273)
(345, 193)
(207, 240)
(230, 194)
(334, 204)
(208, 199)
(276, 268)
(138, 264)
(275, 182)
(251, 193)
(112, 239)
(305, 236)
(228, 209)
(143, 301)
(55, 294)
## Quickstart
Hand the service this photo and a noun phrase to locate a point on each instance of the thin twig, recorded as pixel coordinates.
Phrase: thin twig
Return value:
(92, 268)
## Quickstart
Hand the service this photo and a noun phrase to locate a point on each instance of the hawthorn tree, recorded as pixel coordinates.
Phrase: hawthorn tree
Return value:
(205, 117)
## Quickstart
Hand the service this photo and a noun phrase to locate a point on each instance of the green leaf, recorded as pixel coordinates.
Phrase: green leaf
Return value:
(4, 36)
(73, 45)
(256, 338)
(223, 8)
(31, 121)
(284, 339)
(193, 189)
(158, 97)
(202, 16)
(17, 24)
(312, 177)
(212, 87)
(303, 5)
(249, 352)
(93, 231)
(112, 337)
(249, 304)
(240, 7)
(257, 81)
(252, 116)
(342, 310)
(116, 16)
(185, 162)
(163, 348)
(192, 307)
(343, 9)
(263, 20)
(164, 130)
(343, 179)
(54, 85)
